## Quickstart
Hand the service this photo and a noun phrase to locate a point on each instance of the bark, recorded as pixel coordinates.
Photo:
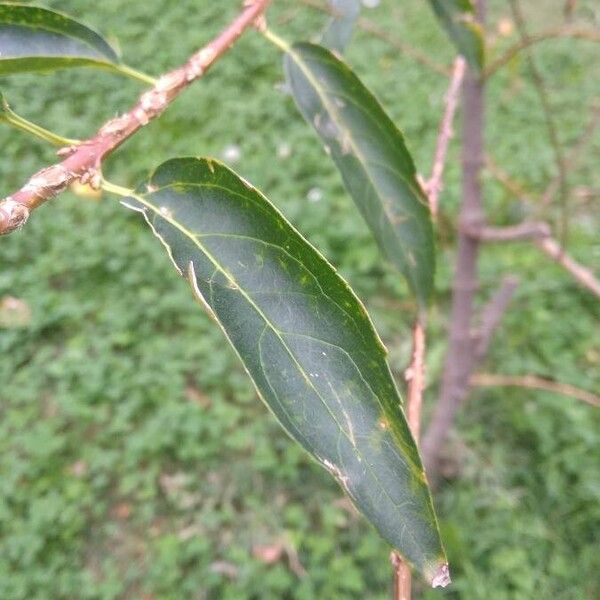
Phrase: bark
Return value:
(461, 349)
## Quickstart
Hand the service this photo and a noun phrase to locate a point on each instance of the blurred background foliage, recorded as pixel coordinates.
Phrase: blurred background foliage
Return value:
(136, 460)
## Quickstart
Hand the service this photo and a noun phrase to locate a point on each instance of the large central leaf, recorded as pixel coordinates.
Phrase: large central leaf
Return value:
(304, 338)
(371, 156)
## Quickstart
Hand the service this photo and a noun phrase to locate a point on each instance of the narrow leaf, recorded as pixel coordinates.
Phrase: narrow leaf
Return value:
(304, 338)
(458, 19)
(39, 39)
(338, 33)
(372, 157)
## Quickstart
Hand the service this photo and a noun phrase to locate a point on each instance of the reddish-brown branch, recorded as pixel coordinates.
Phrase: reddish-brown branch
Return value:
(535, 38)
(523, 231)
(434, 185)
(415, 379)
(83, 162)
(540, 234)
(548, 245)
(535, 383)
(402, 578)
(581, 274)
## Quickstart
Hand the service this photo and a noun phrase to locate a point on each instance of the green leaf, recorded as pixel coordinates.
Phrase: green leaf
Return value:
(458, 19)
(304, 338)
(338, 33)
(372, 157)
(38, 39)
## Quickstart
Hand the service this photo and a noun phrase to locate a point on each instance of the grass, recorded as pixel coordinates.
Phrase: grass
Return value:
(135, 459)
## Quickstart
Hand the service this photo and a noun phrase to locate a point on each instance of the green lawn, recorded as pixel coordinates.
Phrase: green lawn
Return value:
(136, 461)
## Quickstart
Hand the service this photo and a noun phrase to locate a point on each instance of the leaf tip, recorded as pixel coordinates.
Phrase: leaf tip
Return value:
(441, 576)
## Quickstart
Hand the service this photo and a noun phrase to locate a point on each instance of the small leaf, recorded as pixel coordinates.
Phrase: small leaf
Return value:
(304, 338)
(339, 30)
(372, 157)
(39, 39)
(458, 19)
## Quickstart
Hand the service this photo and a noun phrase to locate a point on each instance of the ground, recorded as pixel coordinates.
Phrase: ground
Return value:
(135, 458)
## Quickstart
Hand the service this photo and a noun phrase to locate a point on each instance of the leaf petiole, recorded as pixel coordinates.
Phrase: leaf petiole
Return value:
(118, 190)
(134, 73)
(278, 41)
(7, 115)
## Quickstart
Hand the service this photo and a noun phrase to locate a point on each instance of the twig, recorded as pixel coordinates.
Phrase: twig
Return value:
(539, 232)
(402, 578)
(536, 383)
(434, 185)
(523, 231)
(491, 315)
(84, 160)
(551, 127)
(547, 244)
(535, 38)
(415, 379)
(582, 275)
(372, 28)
